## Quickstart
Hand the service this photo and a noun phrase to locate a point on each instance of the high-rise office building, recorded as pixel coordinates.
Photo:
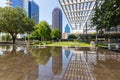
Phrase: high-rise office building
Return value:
(67, 29)
(57, 19)
(26, 6)
(30, 6)
(17, 3)
(34, 11)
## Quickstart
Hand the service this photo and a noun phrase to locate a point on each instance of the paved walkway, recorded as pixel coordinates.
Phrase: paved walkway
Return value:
(78, 69)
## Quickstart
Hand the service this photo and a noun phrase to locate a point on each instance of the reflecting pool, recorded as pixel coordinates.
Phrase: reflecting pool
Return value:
(58, 63)
(33, 63)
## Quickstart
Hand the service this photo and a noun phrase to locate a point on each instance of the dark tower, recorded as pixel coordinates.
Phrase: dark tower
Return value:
(57, 19)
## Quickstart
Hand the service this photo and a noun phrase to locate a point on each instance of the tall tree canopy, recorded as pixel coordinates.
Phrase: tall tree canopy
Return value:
(14, 21)
(108, 15)
(55, 34)
(43, 30)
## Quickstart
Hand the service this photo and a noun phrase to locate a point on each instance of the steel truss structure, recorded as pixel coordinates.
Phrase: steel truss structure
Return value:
(79, 12)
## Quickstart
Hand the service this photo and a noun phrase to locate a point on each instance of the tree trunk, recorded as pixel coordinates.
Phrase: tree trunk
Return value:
(13, 38)
(14, 50)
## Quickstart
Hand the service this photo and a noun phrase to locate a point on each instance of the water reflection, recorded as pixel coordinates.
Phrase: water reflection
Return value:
(100, 64)
(19, 63)
(14, 65)
(5, 48)
(104, 64)
(56, 60)
(108, 65)
(67, 53)
(42, 55)
(50, 63)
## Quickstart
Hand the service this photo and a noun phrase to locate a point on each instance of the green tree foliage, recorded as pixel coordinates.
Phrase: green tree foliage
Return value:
(72, 36)
(6, 37)
(3, 38)
(42, 55)
(42, 30)
(55, 34)
(108, 15)
(35, 35)
(14, 21)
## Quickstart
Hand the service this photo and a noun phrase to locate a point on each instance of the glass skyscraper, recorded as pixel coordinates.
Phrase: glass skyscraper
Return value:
(34, 11)
(30, 6)
(57, 19)
(17, 3)
(67, 29)
(26, 6)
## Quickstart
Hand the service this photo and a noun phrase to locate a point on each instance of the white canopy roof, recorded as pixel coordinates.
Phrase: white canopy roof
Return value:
(78, 12)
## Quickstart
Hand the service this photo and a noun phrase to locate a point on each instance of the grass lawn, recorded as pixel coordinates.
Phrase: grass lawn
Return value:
(69, 44)
(101, 45)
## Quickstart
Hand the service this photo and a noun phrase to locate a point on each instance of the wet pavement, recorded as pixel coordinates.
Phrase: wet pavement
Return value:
(58, 63)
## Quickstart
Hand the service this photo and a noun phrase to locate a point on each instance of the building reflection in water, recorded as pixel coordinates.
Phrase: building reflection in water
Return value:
(51, 63)
(56, 65)
(37, 64)
(56, 60)
(67, 53)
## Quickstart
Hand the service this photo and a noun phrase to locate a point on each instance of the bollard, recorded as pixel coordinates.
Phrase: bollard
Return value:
(92, 46)
(117, 46)
(109, 47)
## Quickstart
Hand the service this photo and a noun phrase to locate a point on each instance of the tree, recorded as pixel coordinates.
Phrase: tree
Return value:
(55, 34)
(35, 35)
(108, 15)
(43, 30)
(14, 21)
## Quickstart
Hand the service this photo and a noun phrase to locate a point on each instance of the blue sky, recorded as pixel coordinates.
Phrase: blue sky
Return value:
(46, 8)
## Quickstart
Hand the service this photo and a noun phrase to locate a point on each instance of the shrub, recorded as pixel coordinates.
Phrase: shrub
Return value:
(72, 36)
(6, 37)
(3, 38)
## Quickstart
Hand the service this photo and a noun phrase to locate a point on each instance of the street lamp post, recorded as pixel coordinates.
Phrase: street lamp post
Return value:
(96, 35)
(28, 36)
(96, 4)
